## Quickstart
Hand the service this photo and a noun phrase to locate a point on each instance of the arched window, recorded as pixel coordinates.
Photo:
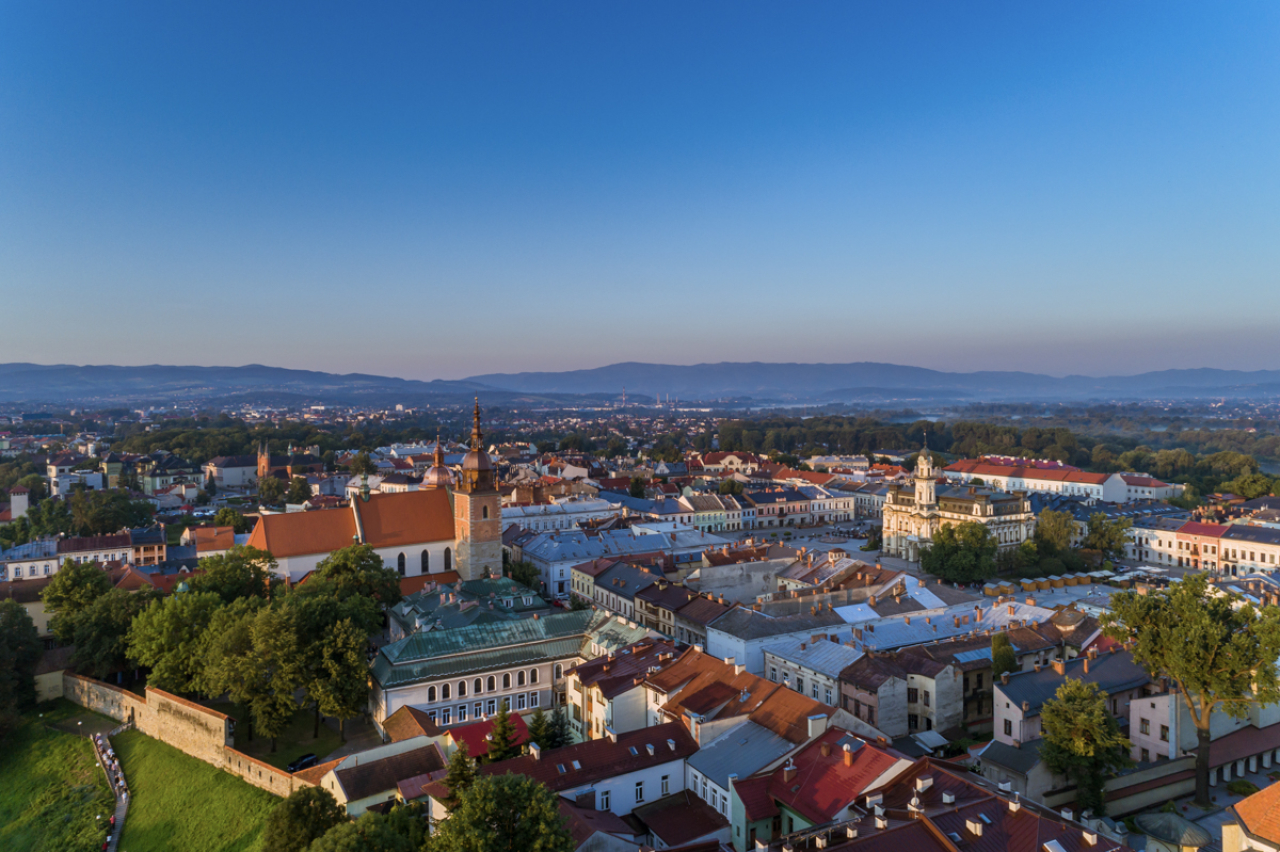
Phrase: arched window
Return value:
(484, 512)
(533, 675)
(400, 564)
(426, 562)
(520, 678)
(506, 681)
(558, 672)
(492, 684)
(477, 687)
(431, 693)
(444, 692)
(462, 689)
(448, 559)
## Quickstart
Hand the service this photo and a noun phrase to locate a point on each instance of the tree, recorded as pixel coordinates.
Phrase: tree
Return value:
(102, 631)
(502, 737)
(961, 553)
(19, 655)
(227, 652)
(270, 490)
(306, 814)
(404, 829)
(730, 486)
(1003, 657)
(342, 688)
(1107, 536)
(72, 590)
(637, 487)
(460, 775)
(168, 637)
(559, 734)
(109, 511)
(362, 465)
(540, 729)
(278, 672)
(241, 572)
(505, 813)
(299, 490)
(1220, 658)
(229, 517)
(1054, 532)
(525, 573)
(358, 570)
(1082, 741)
(1250, 485)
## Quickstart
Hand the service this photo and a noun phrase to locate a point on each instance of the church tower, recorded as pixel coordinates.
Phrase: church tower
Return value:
(926, 486)
(477, 511)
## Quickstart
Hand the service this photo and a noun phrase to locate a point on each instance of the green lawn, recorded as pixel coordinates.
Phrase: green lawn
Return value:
(51, 790)
(180, 802)
(291, 745)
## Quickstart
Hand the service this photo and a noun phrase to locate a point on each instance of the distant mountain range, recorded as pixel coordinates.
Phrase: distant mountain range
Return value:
(862, 380)
(757, 382)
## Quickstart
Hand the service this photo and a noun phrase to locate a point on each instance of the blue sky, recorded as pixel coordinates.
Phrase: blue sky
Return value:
(441, 190)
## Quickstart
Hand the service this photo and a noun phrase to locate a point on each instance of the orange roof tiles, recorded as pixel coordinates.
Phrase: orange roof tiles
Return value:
(214, 538)
(388, 520)
(1260, 813)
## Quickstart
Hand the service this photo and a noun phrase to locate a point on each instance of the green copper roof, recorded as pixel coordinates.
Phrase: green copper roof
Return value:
(391, 675)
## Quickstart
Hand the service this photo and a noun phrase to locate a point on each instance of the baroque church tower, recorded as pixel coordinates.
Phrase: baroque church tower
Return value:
(477, 511)
(926, 479)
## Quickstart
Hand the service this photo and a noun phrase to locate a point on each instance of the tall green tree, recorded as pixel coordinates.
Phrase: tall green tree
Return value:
(404, 829)
(72, 590)
(279, 671)
(961, 553)
(1054, 532)
(1218, 651)
(270, 490)
(19, 655)
(227, 654)
(637, 487)
(1107, 536)
(358, 570)
(560, 734)
(229, 517)
(1082, 741)
(296, 821)
(540, 729)
(241, 572)
(102, 631)
(342, 688)
(168, 638)
(1003, 657)
(460, 775)
(505, 813)
(502, 737)
(362, 465)
(299, 490)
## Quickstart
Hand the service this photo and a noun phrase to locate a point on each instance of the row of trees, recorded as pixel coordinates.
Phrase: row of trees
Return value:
(19, 654)
(233, 631)
(83, 512)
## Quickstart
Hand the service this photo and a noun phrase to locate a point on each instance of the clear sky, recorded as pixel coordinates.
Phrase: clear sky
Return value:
(439, 190)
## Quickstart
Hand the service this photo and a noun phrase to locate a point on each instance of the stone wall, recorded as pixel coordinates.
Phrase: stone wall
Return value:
(189, 727)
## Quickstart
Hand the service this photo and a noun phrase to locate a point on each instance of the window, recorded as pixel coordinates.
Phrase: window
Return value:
(506, 681)
(813, 690)
(462, 712)
(520, 678)
(828, 695)
(444, 692)
(431, 714)
(492, 684)
(520, 701)
(400, 564)
(1164, 733)
(979, 681)
(639, 791)
(558, 671)
(533, 675)
(448, 559)
(773, 673)
(913, 721)
(431, 693)
(533, 699)
(444, 716)
(604, 800)
(926, 698)
(799, 684)
(426, 562)
(1008, 727)
(490, 707)
(1146, 756)
(462, 689)
(1144, 726)
(913, 695)
(477, 686)
(484, 512)
(666, 785)
(478, 709)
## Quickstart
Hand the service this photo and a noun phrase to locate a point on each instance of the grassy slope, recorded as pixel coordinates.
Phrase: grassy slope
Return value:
(51, 788)
(291, 745)
(183, 803)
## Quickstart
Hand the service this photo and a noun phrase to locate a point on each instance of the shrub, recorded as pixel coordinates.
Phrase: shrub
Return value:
(1242, 787)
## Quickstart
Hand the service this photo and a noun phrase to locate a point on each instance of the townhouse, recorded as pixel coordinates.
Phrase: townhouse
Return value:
(810, 666)
(560, 513)
(604, 694)
(1233, 550)
(656, 605)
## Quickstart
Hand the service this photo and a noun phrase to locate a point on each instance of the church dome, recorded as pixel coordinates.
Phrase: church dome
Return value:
(477, 460)
(438, 476)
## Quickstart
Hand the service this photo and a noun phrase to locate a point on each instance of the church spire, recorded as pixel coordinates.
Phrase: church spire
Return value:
(439, 455)
(476, 435)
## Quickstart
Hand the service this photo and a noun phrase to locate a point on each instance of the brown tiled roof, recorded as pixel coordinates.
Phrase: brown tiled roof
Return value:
(585, 822)
(315, 774)
(376, 776)
(413, 585)
(24, 591)
(681, 818)
(703, 610)
(79, 544)
(388, 520)
(615, 676)
(667, 596)
(1260, 814)
(214, 538)
(822, 785)
(870, 672)
(407, 723)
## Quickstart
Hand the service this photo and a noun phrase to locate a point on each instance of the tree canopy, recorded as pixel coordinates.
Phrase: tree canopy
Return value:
(296, 821)
(358, 570)
(1082, 741)
(961, 553)
(241, 572)
(19, 655)
(73, 590)
(1220, 652)
(505, 813)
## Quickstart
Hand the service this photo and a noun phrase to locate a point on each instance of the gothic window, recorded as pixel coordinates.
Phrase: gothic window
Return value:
(448, 559)
(400, 564)
(426, 562)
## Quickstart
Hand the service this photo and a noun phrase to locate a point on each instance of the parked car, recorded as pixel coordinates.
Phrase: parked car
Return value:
(304, 762)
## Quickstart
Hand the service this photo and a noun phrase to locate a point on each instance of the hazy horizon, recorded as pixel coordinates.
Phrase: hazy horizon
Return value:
(455, 190)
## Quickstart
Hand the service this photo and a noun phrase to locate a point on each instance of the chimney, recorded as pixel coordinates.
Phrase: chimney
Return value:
(1086, 664)
(788, 772)
(1013, 610)
(535, 751)
(826, 749)
(924, 782)
(1004, 679)
(906, 619)
(847, 757)
(871, 601)
(1060, 667)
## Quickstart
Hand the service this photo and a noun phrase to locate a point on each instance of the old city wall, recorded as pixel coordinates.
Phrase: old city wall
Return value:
(189, 727)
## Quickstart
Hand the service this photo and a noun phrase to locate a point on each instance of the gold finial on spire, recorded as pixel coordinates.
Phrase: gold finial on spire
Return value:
(476, 434)
(439, 454)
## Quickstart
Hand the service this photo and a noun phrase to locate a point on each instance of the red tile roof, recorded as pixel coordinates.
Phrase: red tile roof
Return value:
(621, 671)
(476, 734)
(407, 723)
(1260, 813)
(822, 785)
(388, 520)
